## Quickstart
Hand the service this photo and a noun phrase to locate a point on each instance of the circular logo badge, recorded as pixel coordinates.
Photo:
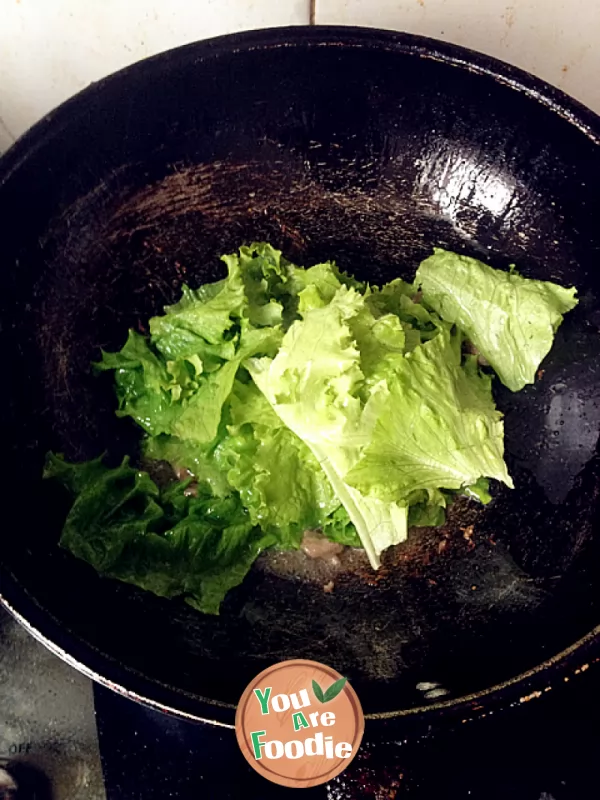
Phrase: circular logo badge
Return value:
(299, 723)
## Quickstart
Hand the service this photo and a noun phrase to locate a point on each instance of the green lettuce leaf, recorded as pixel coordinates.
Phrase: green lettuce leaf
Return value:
(301, 399)
(264, 273)
(439, 428)
(313, 385)
(381, 342)
(177, 382)
(182, 454)
(279, 480)
(510, 319)
(338, 527)
(161, 540)
(480, 490)
(316, 286)
(204, 322)
(173, 397)
(142, 384)
(427, 508)
(273, 285)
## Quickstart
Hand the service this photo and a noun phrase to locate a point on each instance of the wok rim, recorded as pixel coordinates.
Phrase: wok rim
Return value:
(572, 661)
(41, 624)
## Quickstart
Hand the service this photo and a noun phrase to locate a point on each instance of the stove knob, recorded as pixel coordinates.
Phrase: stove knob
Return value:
(8, 787)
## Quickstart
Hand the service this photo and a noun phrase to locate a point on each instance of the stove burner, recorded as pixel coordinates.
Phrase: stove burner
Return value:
(8, 786)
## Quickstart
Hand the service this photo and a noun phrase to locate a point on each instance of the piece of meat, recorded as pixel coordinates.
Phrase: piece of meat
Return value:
(315, 545)
(470, 348)
(183, 474)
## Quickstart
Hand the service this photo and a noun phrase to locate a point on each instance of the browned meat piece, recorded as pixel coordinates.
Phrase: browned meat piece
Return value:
(315, 545)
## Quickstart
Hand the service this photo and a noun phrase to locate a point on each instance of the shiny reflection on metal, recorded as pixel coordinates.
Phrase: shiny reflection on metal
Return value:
(95, 676)
(8, 786)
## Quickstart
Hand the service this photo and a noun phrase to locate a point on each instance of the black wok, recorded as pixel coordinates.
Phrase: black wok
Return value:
(363, 146)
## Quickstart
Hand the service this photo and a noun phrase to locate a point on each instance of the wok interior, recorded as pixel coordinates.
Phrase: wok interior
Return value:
(142, 182)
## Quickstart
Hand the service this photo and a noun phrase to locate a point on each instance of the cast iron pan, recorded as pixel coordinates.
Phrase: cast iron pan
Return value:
(363, 146)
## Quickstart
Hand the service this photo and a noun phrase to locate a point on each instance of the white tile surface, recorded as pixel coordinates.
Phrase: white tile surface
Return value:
(50, 49)
(555, 39)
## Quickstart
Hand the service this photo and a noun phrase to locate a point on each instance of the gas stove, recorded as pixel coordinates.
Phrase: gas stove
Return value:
(48, 739)
(62, 738)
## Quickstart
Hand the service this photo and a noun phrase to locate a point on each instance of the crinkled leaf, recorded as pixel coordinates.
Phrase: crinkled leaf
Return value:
(278, 478)
(427, 508)
(164, 384)
(439, 430)
(401, 299)
(338, 527)
(510, 319)
(263, 271)
(201, 318)
(142, 385)
(480, 490)
(182, 454)
(198, 416)
(381, 342)
(75, 477)
(313, 384)
(163, 541)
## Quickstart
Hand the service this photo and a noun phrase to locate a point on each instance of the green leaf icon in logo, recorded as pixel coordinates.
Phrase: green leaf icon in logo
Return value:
(329, 694)
(318, 692)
